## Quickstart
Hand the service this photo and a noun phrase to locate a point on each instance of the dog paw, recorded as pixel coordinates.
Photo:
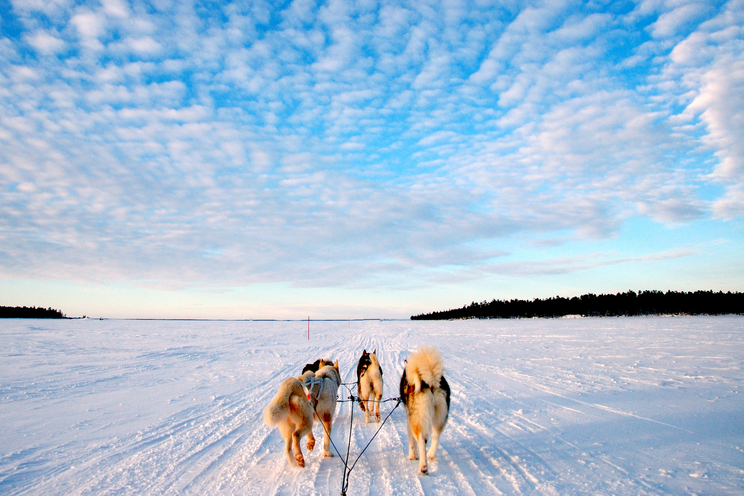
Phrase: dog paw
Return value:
(300, 460)
(432, 458)
(377, 418)
(423, 470)
(311, 445)
(366, 420)
(328, 455)
(412, 457)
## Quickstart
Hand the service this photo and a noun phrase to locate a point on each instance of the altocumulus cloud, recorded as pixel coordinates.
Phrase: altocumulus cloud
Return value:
(326, 142)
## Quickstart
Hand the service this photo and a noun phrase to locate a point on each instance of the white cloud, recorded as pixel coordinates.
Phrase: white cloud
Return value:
(51, 8)
(731, 205)
(344, 145)
(144, 46)
(45, 43)
(115, 8)
(89, 24)
(711, 63)
(720, 104)
(680, 19)
(567, 265)
(672, 211)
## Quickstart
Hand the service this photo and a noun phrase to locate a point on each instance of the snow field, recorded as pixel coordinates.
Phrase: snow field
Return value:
(564, 406)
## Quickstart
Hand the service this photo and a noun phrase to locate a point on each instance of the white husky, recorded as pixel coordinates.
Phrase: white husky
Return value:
(369, 384)
(291, 411)
(426, 396)
(322, 387)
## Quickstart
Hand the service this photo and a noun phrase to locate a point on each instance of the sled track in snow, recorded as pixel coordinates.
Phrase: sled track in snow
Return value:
(554, 407)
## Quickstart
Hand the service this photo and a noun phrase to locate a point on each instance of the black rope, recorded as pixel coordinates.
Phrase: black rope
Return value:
(327, 433)
(357, 398)
(347, 469)
(377, 432)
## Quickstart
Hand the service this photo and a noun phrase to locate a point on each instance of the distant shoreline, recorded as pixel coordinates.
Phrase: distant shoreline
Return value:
(30, 313)
(628, 304)
(41, 313)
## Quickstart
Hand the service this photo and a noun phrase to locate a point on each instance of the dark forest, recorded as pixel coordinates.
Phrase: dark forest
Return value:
(30, 313)
(603, 305)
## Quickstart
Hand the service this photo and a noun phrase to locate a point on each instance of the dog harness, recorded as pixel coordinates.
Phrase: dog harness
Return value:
(410, 388)
(308, 386)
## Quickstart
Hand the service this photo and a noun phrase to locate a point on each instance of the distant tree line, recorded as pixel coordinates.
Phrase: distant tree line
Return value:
(30, 313)
(603, 305)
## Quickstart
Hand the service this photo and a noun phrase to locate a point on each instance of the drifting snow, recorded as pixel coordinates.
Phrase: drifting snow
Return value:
(565, 406)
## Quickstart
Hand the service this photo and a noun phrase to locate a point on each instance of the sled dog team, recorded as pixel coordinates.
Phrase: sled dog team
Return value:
(424, 392)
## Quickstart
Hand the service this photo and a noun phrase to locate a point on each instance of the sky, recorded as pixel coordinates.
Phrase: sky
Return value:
(369, 159)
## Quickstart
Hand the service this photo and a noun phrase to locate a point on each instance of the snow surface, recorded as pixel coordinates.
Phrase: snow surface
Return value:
(564, 406)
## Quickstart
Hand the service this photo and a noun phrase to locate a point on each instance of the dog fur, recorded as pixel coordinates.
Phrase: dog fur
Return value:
(313, 367)
(426, 396)
(291, 411)
(323, 390)
(369, 384)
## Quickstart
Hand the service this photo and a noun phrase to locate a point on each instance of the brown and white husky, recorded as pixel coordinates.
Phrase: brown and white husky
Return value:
(291, 411)
(426, 396)
(322, 389)
(369, 384)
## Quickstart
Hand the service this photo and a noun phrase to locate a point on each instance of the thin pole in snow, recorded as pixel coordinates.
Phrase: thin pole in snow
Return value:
(308, 328)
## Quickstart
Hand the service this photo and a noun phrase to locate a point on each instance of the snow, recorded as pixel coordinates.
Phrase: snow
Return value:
(563, 406)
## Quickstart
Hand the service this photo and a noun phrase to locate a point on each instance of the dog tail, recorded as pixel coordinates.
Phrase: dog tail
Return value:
(425, 365)
(279, 408)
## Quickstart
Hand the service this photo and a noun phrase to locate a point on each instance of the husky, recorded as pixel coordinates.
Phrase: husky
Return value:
(426, 395)
(291, 411)
(322, 388)
(369, 384)
(313, 367)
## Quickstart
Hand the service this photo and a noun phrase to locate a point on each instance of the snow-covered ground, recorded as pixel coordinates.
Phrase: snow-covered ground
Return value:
(567, 406)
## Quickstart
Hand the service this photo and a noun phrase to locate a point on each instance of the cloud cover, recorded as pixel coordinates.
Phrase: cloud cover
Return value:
(354, 143)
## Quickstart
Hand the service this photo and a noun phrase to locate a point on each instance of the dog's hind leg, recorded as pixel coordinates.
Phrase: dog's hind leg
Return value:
(438, 422)
(411, 441)
(377, 407)
(310, 441)
(365, 394)
(328, 423)
(298, 451)
(287, 429)
(423, 467)
(432, 453)
(367, 408)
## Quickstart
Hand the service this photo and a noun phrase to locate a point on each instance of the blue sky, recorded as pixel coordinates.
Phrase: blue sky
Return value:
(365, 159)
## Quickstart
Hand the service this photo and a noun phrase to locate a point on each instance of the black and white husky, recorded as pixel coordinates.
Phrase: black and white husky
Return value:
(369, 384)
(426, 396)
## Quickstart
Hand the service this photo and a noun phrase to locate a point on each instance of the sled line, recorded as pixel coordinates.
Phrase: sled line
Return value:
(347, 471)
(353, 399)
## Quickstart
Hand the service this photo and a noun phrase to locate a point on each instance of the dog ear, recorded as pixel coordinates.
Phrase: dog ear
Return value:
(364, 352)
(335, 365)
(375, 352)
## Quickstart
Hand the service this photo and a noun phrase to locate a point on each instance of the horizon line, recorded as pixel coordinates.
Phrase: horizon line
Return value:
(235, 320)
